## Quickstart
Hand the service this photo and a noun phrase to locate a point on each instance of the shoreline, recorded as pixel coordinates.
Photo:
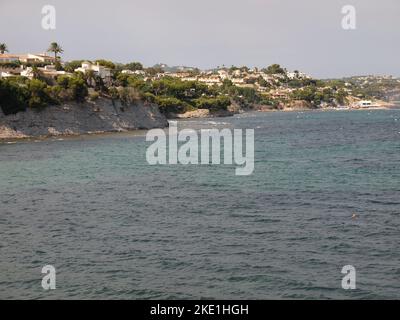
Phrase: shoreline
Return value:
(102, 116)
(141, 131)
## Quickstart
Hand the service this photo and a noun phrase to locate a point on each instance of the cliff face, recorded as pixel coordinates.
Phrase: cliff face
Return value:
(90, 117)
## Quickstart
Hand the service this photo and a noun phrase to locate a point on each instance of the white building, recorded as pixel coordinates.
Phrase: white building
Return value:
(136, 72)
(189, 79)
(35, 58)
(28, 73)
(27, 58)
(238, 81)
(297, 75)
(7, 58)
(5, 74)
(101, 71)
(210, 80)
(49, 71)
(223, 74)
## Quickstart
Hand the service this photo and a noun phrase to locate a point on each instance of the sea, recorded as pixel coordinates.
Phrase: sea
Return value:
(324, 194)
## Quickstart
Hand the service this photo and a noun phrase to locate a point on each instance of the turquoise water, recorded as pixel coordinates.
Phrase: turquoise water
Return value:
(115, 227)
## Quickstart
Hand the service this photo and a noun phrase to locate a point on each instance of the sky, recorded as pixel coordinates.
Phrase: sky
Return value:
(305, 35)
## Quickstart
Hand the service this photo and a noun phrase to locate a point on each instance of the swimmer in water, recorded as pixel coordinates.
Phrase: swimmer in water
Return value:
(354, 216)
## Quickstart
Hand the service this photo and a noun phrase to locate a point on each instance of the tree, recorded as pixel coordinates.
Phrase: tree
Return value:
(36, 73)
(3, 48)
(39, 97)
(72, 65)
(152, 71)
(307, 93)
(74, 86)
(106, 63)
(133, 66)
(275, 69)
(262, 82)
(90, 77)
(63, 81)
(55, 48)
(13, 97)
(340, 96)
(79, 88)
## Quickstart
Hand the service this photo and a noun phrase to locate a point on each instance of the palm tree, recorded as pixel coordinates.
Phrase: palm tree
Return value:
(56, 48)
(3, 48)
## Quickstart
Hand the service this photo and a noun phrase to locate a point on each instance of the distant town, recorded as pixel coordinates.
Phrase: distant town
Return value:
(181, 89)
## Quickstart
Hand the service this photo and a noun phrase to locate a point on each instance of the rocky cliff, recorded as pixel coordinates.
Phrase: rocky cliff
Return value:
(102, 115)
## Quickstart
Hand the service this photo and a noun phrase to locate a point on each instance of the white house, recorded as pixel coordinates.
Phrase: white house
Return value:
(237, 81)
(297, 75)
(210, 80)
(223, 74)
(136, 72)
(27, 58)
(49, 71)
(32, 58)
(5, 74)
(27, 73)
(102, 72)
(7, 58)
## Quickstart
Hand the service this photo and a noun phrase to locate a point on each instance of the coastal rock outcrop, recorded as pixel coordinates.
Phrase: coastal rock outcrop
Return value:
(102, 115)
(202, 113)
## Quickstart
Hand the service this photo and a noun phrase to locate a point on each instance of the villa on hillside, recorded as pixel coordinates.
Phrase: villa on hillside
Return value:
(48, 71)
(238, 81)
(136, 72)
(210, 80)
(5, 74)
(103, 72)
(26, 58)
(297, 75)
(223, 74)
(8, 58)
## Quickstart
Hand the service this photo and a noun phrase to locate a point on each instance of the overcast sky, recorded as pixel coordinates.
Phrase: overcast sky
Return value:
(298, 34)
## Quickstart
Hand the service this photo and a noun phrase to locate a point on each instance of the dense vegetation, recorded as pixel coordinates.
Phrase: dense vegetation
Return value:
(19, 93)
(174, 95)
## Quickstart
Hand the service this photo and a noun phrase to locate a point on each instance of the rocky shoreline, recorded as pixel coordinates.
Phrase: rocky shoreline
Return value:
(106, 116)
(202, 113)
(100, 116)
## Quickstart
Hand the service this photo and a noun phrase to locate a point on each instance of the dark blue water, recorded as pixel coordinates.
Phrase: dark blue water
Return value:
(115, 227)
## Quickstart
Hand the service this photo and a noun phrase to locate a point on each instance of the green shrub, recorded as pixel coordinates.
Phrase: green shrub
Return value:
(149, 97)
(39, 97)
(72, 65)
(79, 89)
(214, 104)
(106, 63)
(129, 95)
(171, 104)
(113, 92)
(63, 81)
(74, 87)
(13, 97)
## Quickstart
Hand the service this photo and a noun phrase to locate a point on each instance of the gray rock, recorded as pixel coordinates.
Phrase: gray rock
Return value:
(99, 116)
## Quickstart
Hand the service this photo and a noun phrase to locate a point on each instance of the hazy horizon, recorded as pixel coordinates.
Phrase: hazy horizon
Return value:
(305, 35)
